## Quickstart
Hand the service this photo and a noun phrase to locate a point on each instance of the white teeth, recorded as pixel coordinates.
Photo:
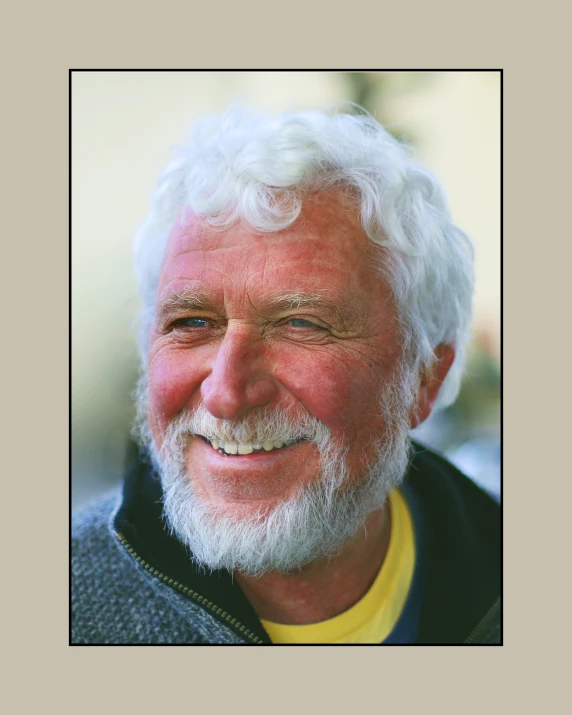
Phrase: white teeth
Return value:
(246, 447)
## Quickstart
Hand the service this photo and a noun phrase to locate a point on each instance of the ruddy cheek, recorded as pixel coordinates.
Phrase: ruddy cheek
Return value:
(324, 390)
(171, 387)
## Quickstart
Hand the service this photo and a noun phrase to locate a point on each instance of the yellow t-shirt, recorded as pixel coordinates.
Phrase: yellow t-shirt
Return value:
(374, 616)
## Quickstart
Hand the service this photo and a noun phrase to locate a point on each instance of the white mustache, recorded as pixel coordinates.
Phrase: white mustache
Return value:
(259, 426)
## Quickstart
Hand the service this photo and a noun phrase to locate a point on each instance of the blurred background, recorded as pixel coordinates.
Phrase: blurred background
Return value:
(124, 125)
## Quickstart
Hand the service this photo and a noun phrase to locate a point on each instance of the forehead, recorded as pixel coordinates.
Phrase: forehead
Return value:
(324, 249)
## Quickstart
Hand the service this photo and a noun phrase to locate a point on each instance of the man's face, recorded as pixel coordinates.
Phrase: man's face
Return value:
(297, 322)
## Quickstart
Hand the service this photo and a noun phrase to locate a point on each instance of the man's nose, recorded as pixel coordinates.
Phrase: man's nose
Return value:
(239, 379)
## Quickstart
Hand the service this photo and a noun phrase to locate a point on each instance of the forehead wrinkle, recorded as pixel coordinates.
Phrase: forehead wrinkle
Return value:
(191, 233)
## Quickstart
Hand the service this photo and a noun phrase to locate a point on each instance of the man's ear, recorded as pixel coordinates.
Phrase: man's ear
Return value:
(431, 381)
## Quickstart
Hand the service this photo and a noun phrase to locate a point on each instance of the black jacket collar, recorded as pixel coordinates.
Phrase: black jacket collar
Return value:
(461, 531)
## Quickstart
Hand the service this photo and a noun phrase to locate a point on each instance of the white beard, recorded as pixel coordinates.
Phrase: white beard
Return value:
(314, 523)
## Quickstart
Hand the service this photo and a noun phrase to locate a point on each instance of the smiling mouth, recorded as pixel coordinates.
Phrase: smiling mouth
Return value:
(242, 448)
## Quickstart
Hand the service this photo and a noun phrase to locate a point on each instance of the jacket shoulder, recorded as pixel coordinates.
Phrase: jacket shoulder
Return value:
(462, 550)
(488, 630)
(434, 476)
(113, 599)
(95, 567)
(95, 517)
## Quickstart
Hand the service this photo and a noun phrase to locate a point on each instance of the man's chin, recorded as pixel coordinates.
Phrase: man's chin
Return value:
(253, 483)
(234, 506)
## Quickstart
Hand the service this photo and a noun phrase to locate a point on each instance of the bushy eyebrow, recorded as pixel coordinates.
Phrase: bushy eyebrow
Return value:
(186, 299)
(300, 300)
(289, 301)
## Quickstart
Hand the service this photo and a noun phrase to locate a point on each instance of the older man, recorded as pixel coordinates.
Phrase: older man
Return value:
(306, 303)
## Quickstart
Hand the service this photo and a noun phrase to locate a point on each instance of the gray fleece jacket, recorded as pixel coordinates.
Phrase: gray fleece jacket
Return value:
(116, 599)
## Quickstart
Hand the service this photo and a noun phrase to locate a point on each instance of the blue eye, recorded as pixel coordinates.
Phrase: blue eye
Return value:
(300, 323)
(194, 323)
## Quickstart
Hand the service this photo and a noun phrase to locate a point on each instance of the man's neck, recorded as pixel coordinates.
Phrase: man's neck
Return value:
(326, 588)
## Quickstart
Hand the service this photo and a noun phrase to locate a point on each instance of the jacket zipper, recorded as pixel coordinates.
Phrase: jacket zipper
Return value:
(220, 614)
